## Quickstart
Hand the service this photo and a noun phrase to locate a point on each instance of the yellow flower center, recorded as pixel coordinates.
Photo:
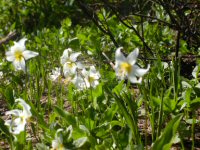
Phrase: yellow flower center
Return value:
(91, 79)
(60, 147)
(125, 67)
(70, 64)
(18, 55)
(22, 119)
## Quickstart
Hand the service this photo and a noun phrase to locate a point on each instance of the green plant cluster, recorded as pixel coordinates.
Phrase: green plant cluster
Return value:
(159, 113)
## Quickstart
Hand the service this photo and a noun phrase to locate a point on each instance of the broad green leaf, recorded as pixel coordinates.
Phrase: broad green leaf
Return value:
(164, 141)
(4, 128)
(41, 146)
(8, 93)
(110, 112)
(117, 89)
(68, 118)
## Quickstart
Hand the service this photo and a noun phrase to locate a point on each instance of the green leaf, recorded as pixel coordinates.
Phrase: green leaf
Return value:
(97, 92)
(4, 128)
(110, 112)
(117, 89)
(164, 141)
(8, 93)
(41, 146)
(68, 118)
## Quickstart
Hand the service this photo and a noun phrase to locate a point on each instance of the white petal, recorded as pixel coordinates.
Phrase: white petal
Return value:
(65, 56)
(84, 72)
(79, 65)
(79, 82)
(19, 65)
(17, 47)
(10, 56)
(26, 107)
(22, 41)
(132, 57)
(73, 56)
(19, 128)
(119, 57)
(133, 79)
(194, 72)
(55, 144)
(69, 70)
(92, 69)
(95, 83)
(29, 54)
(15, 112)
(138, 71)
(8, 122)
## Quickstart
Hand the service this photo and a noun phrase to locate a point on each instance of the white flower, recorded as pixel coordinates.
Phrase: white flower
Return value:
(17, 124)
(126, 67)
(18, 54)
(91, 77)
(68, 60)
(55, 74)
(79, 82)
(57, 143)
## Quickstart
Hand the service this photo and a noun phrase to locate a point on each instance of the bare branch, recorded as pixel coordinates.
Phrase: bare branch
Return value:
(10, 36)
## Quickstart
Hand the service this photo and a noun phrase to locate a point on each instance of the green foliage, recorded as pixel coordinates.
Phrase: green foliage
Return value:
(164, 141)
(109, 115)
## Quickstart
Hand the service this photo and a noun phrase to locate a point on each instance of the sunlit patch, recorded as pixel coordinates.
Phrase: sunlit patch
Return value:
(18, 55)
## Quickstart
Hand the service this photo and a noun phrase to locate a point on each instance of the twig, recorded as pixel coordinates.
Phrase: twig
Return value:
(10, 36)
(130, 27)
(96, 21)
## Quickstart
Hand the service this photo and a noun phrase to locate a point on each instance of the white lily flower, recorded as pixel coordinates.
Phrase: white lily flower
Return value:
(55, 74)
(69, 62)
(126, 67)
(79, 82)
(18, 54)
(17, 124)
(91, 77)
(57, 143)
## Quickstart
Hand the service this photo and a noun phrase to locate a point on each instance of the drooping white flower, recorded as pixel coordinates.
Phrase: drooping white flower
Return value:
(55, 73)
(18, 122)
(126, 67)
(69, 62)
(91, 77)
(57, 143)
(18, 54)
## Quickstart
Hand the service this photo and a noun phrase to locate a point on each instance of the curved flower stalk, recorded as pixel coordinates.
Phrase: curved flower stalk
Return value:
(127, 68)
(18, 54)
(91, 77)
(69, 62)
(18, 122)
